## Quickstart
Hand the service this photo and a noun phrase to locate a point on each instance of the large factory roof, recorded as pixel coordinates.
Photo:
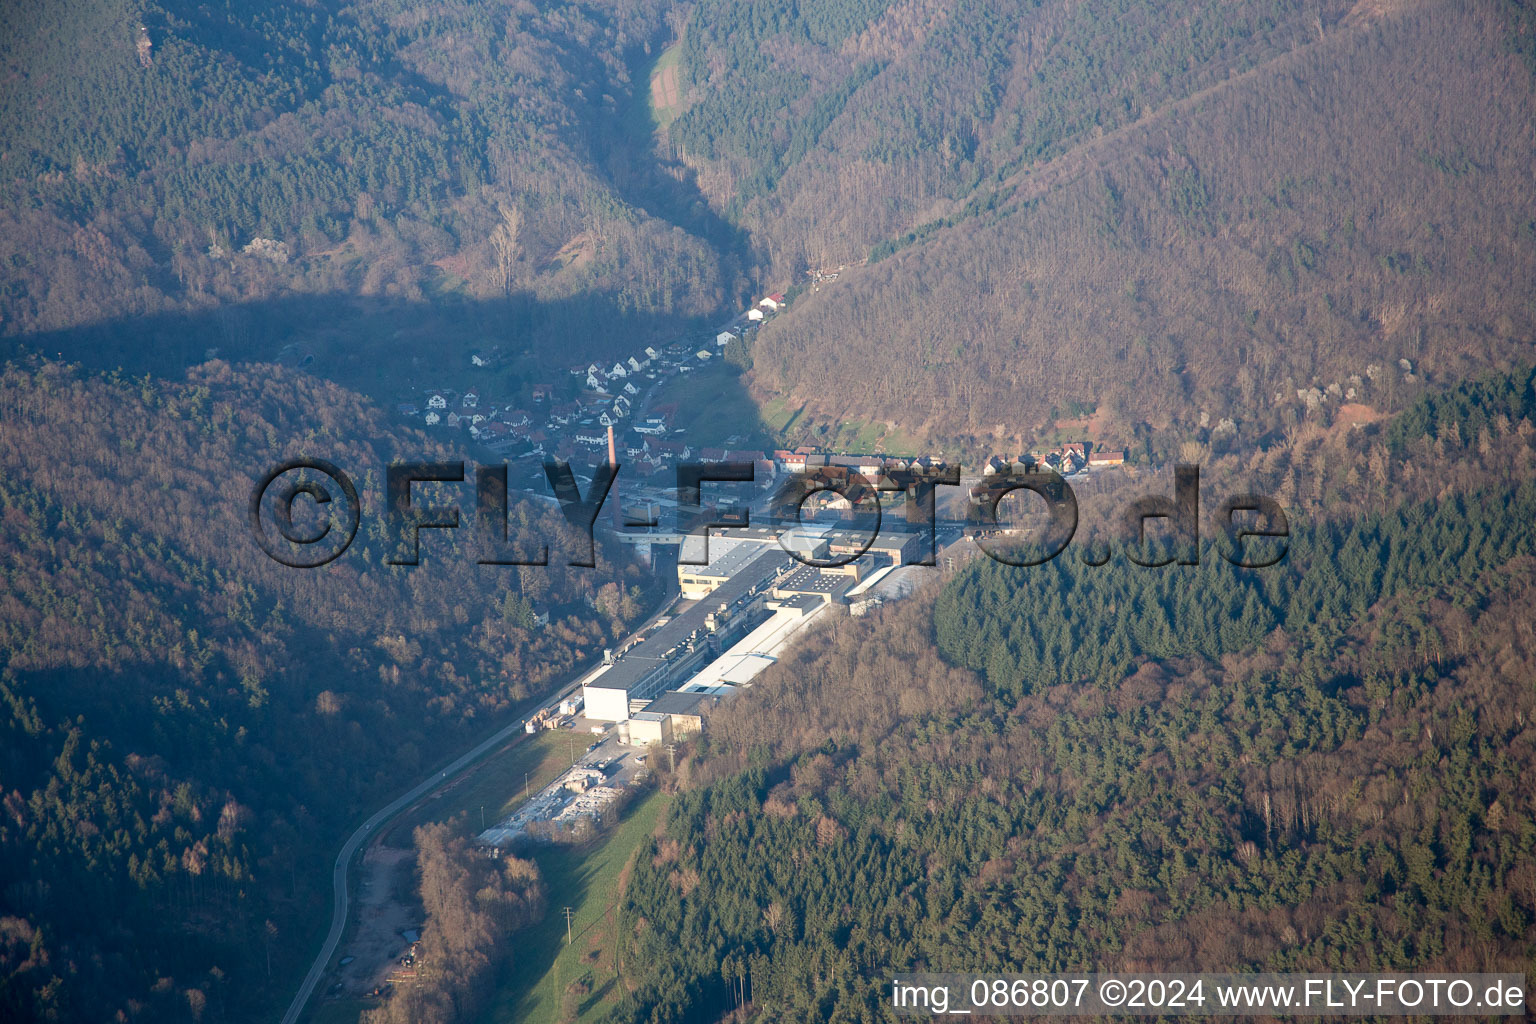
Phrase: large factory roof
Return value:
(727, 563)
(635, 664)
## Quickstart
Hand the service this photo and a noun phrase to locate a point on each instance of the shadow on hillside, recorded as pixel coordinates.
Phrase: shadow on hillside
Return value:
(580, 327)
(391, 349)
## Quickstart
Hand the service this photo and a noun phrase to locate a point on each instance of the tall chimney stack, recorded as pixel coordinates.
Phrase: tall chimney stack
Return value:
(613, 460)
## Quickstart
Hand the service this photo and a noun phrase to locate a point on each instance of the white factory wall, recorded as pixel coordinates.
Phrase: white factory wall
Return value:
(605, 704)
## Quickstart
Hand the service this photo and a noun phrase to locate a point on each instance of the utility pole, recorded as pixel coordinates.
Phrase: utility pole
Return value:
(482, 817)
(525, 785)
(672, 757)
(568, 913)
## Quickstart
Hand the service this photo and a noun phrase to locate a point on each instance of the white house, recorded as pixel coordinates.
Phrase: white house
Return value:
(630, 389)
(754, 314)
(471, 399)
(635, 365)
(724, 338)
(437, 400)
(618, 371)
(433, 419)
(651, 353)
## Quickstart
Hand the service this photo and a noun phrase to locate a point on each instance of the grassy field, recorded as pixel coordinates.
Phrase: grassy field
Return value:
(712, 406)
(343, 1011)
(666, 94)
(549, 980)
(497, 783)
(787, 423)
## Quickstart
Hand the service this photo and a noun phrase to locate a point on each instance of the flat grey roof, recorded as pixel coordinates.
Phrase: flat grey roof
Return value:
(801, 602)
(812, 581)
(676, 702)
(727, 564)
(651, 652)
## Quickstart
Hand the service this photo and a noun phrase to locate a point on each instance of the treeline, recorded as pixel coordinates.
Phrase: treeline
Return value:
(866, 809)
(473, 904)
(188, 725)
(1065, 622)
(379, 149)
(1473, 412)
(1320, 766)
(1159, 218)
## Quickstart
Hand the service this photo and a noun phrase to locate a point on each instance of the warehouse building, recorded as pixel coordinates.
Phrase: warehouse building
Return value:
(679, 647)
(669, 718)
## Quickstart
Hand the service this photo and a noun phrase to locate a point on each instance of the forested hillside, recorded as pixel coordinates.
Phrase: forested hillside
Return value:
(1172, 216)
(1325, 766)
(168, 155)
(190, 727)
(1236, 211)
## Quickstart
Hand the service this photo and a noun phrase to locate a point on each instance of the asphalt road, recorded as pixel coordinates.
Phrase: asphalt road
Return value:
(341, 897)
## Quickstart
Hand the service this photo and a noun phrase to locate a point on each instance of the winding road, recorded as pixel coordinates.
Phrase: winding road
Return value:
(341, 904)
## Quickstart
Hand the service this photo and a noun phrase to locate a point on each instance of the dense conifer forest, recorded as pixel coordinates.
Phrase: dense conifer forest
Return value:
(1291, 242)
(1326, 765)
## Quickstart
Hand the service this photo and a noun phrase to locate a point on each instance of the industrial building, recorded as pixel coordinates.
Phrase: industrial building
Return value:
(727, 558)
(668, 718)
(666, 657)
(749, 578)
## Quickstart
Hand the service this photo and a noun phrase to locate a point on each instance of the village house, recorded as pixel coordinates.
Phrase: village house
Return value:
(675, 450)
(1106, 457)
